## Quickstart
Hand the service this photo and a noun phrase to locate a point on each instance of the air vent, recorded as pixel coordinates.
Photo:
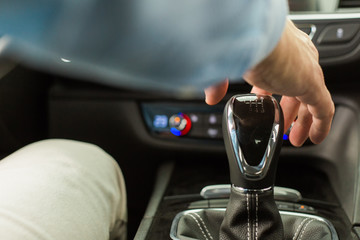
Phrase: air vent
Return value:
(349, 3)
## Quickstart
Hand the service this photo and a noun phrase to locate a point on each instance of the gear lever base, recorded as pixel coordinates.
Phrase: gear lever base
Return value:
(184, 225)
(251, 214)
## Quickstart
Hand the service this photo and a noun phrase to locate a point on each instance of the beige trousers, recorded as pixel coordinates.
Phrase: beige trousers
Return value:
(61, 190)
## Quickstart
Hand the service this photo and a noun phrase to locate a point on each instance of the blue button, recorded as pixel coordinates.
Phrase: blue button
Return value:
(160, 121)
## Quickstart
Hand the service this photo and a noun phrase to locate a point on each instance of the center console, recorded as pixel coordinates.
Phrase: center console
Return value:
(253, 127)
(316, 188)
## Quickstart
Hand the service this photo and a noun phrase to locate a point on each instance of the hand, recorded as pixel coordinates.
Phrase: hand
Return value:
(292, 70)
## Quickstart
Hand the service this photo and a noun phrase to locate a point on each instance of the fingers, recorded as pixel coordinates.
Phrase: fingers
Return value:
(319, 130)
(300, 131)
(215, 93)
(313, 121)
(290, 107)
(259, 91)
(322, 117)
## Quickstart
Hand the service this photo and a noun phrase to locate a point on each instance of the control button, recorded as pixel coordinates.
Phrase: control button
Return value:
(160, 121)
(196, 119)
(213, 119)
(338, 33)
(284, 206)
(180, 124)
(213, 132)
(303, 208)
(311, 209)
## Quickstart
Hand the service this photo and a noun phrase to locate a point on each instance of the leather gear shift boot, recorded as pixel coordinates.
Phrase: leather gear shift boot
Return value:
(251, 215)
(204, 224)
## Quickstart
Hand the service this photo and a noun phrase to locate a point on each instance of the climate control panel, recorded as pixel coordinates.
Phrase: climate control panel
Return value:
(187, 120)
(195, 120)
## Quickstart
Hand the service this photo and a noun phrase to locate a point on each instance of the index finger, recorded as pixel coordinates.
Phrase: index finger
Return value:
(215, 93)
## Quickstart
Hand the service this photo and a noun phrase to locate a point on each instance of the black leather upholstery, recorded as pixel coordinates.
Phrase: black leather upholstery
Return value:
(251, 216)
(205, 225)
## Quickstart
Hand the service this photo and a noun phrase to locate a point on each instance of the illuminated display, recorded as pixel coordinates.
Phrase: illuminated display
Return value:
(160, 121)
(180, 124)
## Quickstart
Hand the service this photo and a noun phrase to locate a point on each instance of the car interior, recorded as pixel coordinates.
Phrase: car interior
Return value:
(172, 152)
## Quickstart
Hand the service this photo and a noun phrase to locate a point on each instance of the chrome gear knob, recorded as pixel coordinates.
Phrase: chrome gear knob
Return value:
(253, 131)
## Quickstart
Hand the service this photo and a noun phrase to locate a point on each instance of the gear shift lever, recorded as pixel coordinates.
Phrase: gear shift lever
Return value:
(253, 127)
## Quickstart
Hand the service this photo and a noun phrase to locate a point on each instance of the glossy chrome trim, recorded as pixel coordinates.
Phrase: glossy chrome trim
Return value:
(287, 194)
(216, 191)
(312, 29)
(224, 190)
(248, 171)
(244, 190)
(176, 220)
(324, 16)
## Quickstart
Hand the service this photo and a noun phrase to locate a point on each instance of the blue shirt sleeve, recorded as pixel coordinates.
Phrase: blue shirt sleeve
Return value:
(180, 46)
